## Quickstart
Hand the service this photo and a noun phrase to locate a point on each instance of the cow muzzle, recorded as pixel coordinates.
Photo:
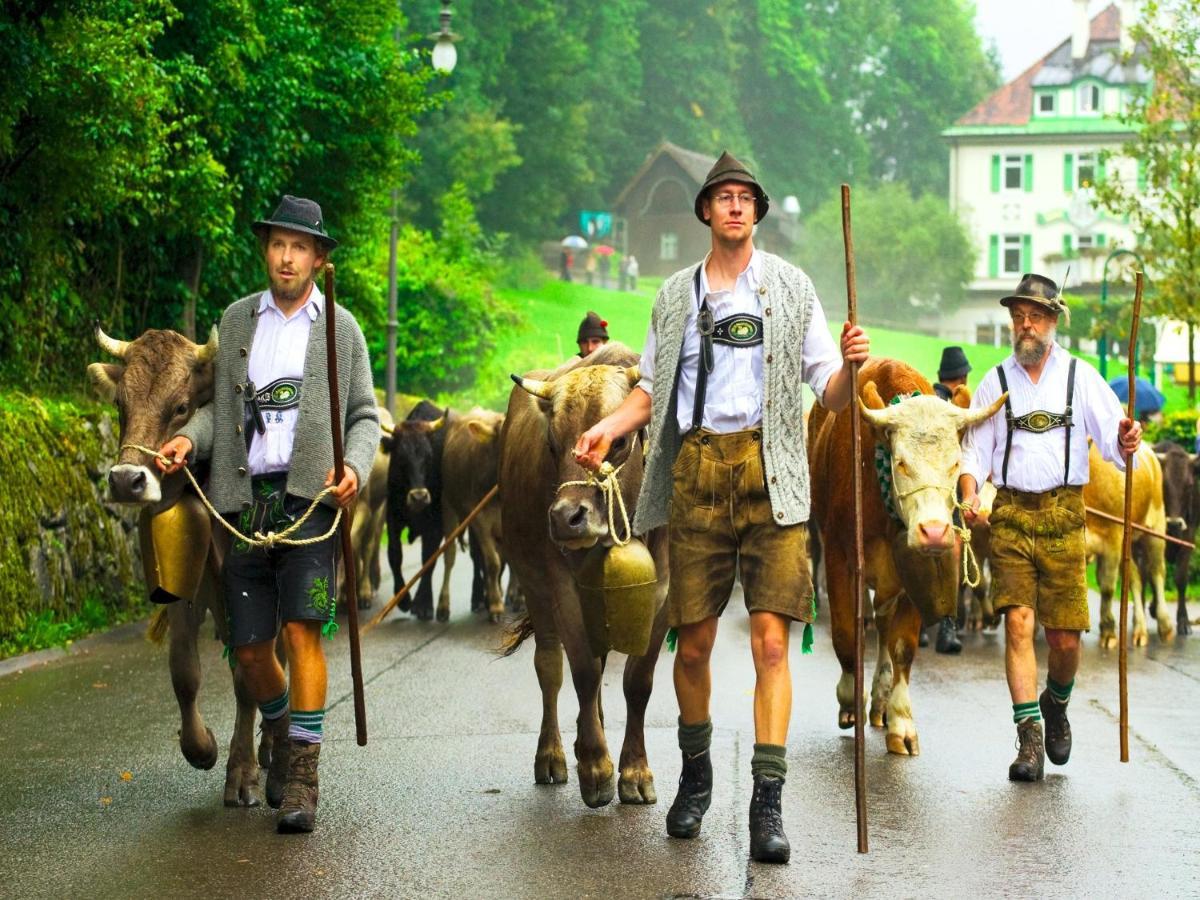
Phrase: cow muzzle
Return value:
(128, 483)
(577, 523)
(934, 537)
(417, 500)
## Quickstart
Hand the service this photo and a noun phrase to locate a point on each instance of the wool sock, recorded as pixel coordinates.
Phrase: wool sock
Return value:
(695, 739)
(769, 759)
(1021, 712)
(1060, 692)
(306, 725)
(274, 709)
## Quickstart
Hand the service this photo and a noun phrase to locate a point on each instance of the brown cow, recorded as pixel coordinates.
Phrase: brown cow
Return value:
(1181, 500)
(470, 464)
(544, 420)
(1105, 491)
(911, 557)
(164, 378)
(370, 515)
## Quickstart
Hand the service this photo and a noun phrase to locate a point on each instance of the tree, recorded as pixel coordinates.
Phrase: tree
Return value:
(1163, 202)
(912, 254)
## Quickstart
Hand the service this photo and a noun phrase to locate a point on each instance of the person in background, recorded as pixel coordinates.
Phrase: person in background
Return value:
(592, 334)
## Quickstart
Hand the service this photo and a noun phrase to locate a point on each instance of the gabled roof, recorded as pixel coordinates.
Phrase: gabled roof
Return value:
(695, 165)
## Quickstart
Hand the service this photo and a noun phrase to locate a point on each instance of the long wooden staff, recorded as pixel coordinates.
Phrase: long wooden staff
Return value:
(1127, 535)
(860, 769)
(1136, 526)
(339, 469)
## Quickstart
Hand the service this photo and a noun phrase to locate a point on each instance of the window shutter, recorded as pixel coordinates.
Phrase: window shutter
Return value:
(1101, 168)
(995, 173)
(1100, 239)
(1028, 173)
(1141, 174)
(1069, 172)
(1067, 250)
(994, 256)
(1026, 253)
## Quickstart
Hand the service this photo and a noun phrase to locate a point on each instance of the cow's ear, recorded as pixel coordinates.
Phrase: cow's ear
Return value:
(104, 378)
(961, 397)
(480, 430)
(870, 396)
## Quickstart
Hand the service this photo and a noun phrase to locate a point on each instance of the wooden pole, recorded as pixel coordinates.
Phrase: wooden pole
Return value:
(450, 538)
(1127, 535)
(1137, 526)
(860, 769)
(339, 469)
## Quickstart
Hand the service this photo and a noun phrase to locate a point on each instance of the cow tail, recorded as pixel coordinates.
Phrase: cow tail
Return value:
(515, 635)
(156, 630)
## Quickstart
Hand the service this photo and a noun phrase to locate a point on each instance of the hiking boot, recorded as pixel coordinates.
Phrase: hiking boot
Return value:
(923, 638)
(1030, 763)
(768, 843)
(694, 797)
(947, 639)
(281, 752)
(1058, 729)
(298, 812)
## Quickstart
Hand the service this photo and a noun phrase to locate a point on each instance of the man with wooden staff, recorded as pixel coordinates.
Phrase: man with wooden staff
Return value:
(730, 342)
(267, 432)
(1037, 455)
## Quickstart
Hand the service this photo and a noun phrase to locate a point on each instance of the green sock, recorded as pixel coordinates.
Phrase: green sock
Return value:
(274, 709)
(1023, 711)
(769, 759)
(695, 739)
(307, 725)
(1060, 692)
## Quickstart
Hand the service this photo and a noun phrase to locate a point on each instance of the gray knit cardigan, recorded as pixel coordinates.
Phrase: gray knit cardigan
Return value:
(216, 429)
(787, 304)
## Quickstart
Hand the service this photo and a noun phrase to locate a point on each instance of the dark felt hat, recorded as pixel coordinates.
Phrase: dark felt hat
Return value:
(1040, 290)
(592, 326)
(953, 365)
(729, 169)
(297, 214)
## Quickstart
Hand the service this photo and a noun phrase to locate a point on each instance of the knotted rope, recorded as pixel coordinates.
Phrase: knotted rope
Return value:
(964, 533)
(270, 539)
(605, 478)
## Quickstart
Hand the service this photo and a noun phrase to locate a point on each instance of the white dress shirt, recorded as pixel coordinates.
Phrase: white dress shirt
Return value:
(733, 399)
(1035, 464)
(278, 351)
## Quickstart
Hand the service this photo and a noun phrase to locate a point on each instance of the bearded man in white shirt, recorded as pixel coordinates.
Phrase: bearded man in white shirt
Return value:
(1037, 455)
(730, 342)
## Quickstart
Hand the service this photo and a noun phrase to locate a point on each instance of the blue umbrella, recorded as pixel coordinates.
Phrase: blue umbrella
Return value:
(1149, 398)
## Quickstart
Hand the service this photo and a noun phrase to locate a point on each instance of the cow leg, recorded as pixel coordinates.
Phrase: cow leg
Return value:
(196, 740)
(1156, 574)
(1140, 636)
(1182, 564)
(550, 763)
(903, 632)
(840, 586)
(479, 598)
(443, 608)
(395, 527)
(490, 557)
(881, 684)
(636, 784)
(1106, 577)
(423, 604)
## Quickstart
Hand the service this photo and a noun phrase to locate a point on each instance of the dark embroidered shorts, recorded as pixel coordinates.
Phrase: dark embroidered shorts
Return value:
(1039, 555)
(284, 584)
(721, 525)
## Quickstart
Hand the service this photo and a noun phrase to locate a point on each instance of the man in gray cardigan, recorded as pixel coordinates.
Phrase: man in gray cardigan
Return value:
(267, 432)
(730, 342)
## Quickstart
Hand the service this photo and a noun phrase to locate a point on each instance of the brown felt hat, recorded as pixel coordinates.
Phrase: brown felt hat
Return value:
(727, 168)
(592, 326)
(1040, 290)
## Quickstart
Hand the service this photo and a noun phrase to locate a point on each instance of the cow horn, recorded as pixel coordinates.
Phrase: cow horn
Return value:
(969, 417)
(543, 389)
(111, 346)
(877, 417)
(434, 424)
(208, 351)
(634, 375)
(386, 428)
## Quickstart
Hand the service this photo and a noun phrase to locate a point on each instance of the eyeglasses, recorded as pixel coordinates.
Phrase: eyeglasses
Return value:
(726, 199)
(1035, 318)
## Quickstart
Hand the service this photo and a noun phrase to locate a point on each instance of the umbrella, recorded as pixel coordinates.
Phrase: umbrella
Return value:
(1149, 398)
(604, 250)
(574, 242)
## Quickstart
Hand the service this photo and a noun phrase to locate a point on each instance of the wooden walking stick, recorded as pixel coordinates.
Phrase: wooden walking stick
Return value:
(860, 771)
(1127, 535)
(339, 469)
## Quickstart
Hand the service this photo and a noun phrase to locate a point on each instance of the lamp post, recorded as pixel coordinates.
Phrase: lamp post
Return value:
(444, 59)
(1103, 300)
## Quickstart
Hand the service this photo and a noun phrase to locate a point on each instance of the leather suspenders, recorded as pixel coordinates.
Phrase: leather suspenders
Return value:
(1039, 422)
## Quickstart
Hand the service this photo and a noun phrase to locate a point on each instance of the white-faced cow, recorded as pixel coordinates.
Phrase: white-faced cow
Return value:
(161, 380)
(911, 549)
(545, 418)
(1181, 500)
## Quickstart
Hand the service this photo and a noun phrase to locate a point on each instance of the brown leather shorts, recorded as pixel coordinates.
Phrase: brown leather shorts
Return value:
(722, 525)
(1039, 555)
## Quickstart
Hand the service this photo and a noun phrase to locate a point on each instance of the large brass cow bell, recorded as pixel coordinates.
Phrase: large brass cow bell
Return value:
(616, 587)
(173, 558)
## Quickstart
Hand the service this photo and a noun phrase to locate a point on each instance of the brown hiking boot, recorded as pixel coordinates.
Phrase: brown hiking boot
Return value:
(1058, 729)
(281, 752)
(1030, 763)
(298, 812)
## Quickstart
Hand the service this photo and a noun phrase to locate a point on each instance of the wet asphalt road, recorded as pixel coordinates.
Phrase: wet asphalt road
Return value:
(95, 799)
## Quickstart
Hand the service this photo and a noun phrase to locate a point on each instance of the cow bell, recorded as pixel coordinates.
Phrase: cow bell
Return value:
(173, 550)
(616, 588)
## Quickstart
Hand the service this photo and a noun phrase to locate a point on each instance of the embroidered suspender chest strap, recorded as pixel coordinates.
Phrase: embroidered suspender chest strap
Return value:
(1039, 421)
(737, 330)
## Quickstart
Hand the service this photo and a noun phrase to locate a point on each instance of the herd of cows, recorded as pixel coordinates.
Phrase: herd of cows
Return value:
(432, 468)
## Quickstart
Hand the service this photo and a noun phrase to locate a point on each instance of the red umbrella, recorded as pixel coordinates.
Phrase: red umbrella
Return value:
(603, 250)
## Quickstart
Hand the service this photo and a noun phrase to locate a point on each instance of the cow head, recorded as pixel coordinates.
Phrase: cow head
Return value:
(410, 470)
(570, 404)
(921, 434)
(1179, 486)
(161, 380)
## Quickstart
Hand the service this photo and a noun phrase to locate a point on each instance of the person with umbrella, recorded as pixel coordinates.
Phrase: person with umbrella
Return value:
(1150, 399)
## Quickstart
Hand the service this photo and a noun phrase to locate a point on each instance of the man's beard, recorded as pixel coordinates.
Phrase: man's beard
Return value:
(282, 292)
(1029, 348)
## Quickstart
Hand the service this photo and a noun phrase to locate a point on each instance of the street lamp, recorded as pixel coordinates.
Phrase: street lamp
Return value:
(444, 59)
(1104, 299)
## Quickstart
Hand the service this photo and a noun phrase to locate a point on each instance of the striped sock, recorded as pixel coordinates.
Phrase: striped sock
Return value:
(1060, 692)
(274, 709)
(1021, 712)
(306, 725)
